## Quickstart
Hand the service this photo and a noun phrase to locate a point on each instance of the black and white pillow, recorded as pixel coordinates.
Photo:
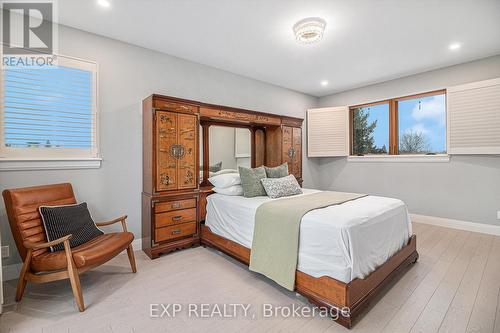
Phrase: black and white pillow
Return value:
(281, 187)
(60, 221)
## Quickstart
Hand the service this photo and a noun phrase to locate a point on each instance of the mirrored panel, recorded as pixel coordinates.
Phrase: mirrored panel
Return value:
(229, 148)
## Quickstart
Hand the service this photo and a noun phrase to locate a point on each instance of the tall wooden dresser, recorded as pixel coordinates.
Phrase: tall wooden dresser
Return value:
(170, 218)
(173, 197)
(286, 144)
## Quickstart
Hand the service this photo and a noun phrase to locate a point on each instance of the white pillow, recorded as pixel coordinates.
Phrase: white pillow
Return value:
(231, 190)
(225, 180)
(223, 171)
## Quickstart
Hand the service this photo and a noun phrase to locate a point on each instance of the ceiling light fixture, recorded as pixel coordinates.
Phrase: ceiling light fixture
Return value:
(309, 30)
(104, 3)
(454, 46)
(324, 83)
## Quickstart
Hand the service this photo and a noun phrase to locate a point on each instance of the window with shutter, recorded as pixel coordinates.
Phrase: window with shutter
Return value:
(474, 118)
(411, 126)
(51, 112)
(328, 132)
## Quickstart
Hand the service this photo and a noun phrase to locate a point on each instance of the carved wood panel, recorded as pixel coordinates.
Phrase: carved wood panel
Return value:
(291, 151)
(287, 147)
(172, 106)
(187, 144)
(240, 116)
(166, 164)
(297, 149)
(260, 145)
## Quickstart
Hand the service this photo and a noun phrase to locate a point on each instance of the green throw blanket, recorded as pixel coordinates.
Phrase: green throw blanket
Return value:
(275, 246)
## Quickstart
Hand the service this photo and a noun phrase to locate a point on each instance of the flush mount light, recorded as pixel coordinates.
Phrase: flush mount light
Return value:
(309, 30)
(455, 46)
(324, 83)
(104, 3)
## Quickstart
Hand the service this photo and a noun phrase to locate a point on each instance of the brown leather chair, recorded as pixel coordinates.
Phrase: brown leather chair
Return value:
(41, 265)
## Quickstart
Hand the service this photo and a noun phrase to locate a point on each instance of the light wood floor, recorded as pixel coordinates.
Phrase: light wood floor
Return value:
(453, 288)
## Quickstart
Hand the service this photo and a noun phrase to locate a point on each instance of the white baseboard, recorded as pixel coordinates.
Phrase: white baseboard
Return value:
(11, 272)
(457, 224)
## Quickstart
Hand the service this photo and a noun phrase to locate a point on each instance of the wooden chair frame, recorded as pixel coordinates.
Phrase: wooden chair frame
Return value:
(72, 272)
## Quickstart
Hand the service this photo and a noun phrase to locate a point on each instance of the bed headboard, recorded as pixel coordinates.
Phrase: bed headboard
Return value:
(274, 140)
(177, 150)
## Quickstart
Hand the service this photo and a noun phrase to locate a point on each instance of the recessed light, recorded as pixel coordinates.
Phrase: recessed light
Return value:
(454, 46)
(309, 30)
(104, 3)
(324, 83)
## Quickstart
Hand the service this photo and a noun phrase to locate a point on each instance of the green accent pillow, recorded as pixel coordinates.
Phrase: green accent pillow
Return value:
(277, 172)
(250, 181)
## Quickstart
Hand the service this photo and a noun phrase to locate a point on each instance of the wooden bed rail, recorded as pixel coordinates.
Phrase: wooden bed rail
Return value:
(326, 291)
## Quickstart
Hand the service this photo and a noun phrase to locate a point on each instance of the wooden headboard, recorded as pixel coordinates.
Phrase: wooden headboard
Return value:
(275, 139)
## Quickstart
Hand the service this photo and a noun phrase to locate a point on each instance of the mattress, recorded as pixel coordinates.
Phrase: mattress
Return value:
(344, 242)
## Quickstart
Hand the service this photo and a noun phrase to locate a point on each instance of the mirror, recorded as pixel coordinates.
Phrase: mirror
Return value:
(229, 148)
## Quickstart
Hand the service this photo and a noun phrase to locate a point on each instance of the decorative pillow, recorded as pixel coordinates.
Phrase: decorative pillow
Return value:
(223, 171)
(277, 172)
(232, 190)
(250, 181)
(281, 187)
(225, 180)
(216, 167)
(60, 221)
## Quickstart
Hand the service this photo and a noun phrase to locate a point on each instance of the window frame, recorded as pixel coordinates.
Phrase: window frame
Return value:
(351, 126)
(393, 150)
(11, 155)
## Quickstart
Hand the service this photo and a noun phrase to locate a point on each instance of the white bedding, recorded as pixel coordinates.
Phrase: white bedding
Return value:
(344, 241)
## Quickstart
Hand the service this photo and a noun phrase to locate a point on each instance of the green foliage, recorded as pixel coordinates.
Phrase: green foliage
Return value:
(363, 141)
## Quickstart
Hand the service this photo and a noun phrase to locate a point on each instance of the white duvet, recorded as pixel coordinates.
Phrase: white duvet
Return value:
(345, 241)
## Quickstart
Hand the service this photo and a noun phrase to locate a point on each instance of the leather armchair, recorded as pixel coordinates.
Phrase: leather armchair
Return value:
(39, 264)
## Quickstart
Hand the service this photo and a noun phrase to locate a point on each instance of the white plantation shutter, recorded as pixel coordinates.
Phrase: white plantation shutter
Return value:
(50, 112)
(473, 118)
(328, 132)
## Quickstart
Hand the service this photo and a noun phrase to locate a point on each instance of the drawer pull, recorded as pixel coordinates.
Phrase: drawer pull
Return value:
(176, 232)
(176, 218)
(176, 205)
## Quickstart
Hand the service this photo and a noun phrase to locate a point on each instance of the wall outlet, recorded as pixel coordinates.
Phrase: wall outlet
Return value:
(498, 214)
(5, 251)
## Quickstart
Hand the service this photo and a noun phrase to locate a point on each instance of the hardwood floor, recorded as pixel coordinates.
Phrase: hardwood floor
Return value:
(454, 287)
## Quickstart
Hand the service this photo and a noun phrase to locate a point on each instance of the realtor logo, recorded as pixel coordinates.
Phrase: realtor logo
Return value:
(27, 29)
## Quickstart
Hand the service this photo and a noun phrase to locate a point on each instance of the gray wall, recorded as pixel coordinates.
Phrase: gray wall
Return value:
(467, 188)
(223, 146)
(127, 74)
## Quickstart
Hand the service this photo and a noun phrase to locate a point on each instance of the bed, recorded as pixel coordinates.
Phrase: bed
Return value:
(346, 252)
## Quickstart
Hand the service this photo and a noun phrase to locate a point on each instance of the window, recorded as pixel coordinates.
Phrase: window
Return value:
(412, 125)
(422, 125)
(50, 113)
(370, 129)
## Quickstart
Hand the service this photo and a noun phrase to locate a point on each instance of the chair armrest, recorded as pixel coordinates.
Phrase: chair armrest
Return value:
(36, 246)
(118, 219)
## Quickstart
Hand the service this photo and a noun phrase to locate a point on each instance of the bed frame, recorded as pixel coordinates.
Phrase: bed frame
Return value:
(326, 291)
(276, 140)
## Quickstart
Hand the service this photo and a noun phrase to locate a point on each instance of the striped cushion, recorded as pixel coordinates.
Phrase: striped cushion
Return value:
(60, 221)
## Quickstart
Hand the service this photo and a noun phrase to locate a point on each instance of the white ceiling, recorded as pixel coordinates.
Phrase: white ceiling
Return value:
(365, 41)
